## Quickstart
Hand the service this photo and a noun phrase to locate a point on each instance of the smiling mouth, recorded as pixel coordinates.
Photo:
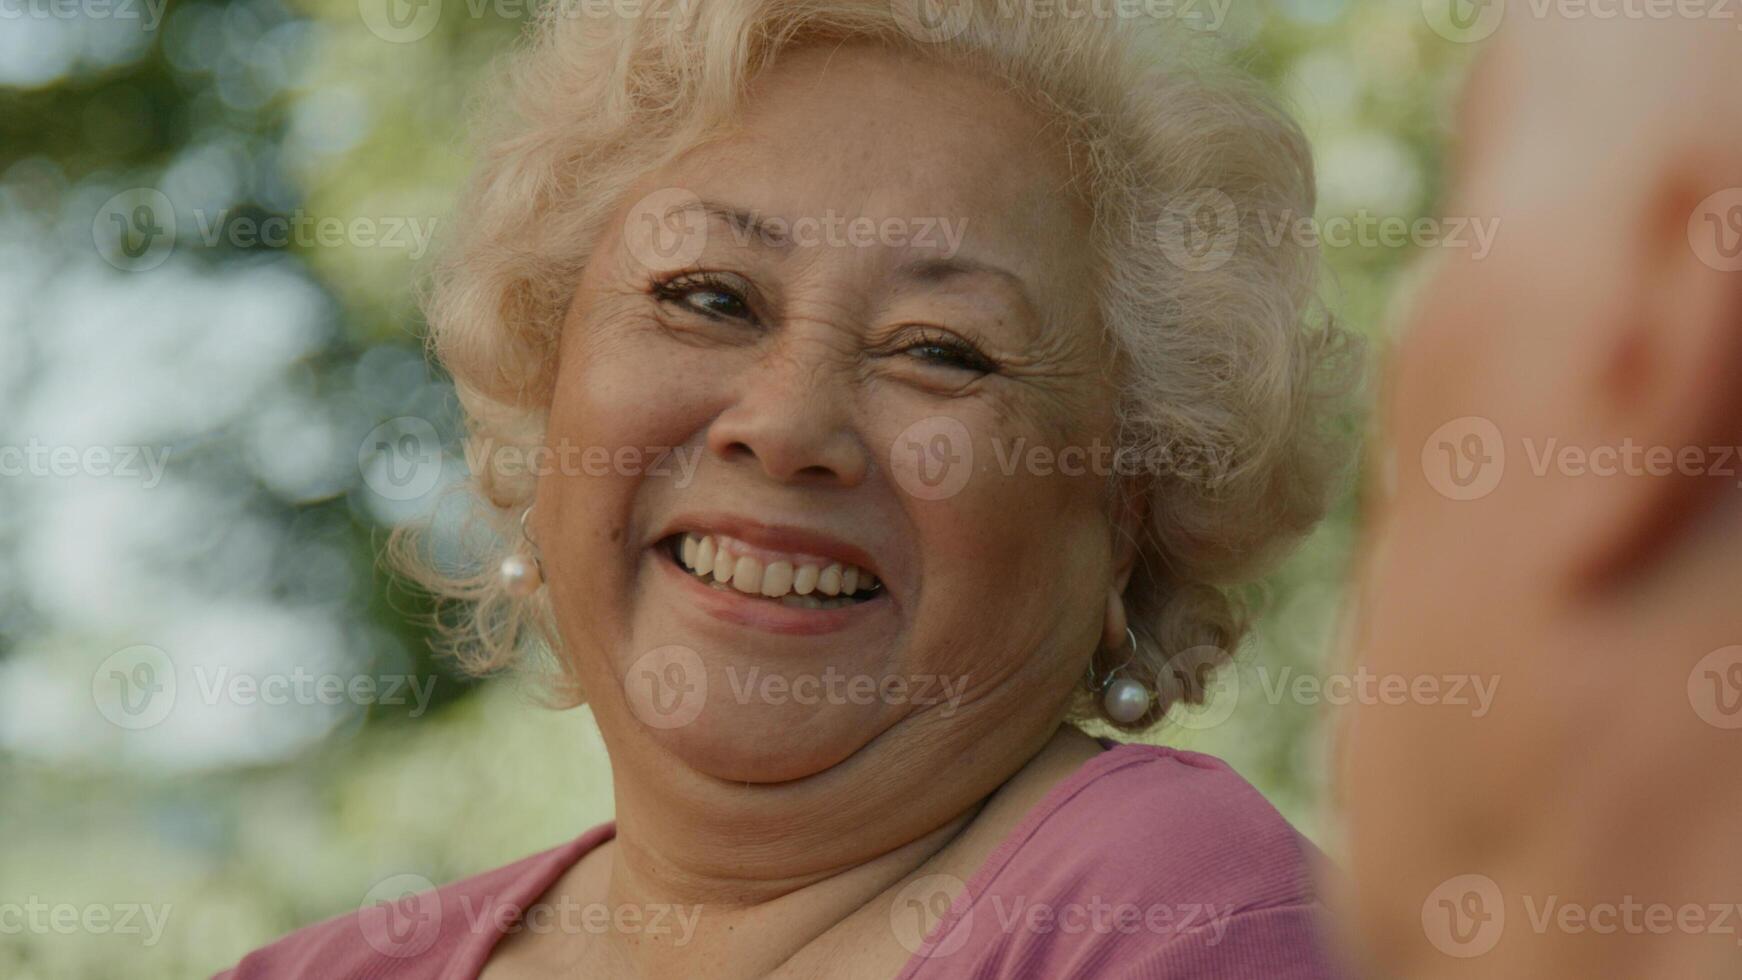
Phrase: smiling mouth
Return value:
(799, 582)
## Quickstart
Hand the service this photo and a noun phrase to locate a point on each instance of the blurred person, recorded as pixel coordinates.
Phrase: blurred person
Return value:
(879, 416)
(1562, 519)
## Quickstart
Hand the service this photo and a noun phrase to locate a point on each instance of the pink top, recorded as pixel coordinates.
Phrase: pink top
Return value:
(1146, 863)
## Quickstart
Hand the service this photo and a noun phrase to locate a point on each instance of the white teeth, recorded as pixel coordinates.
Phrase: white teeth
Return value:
(776, 579)
(829, 582)
(747, 577)
(713, 562)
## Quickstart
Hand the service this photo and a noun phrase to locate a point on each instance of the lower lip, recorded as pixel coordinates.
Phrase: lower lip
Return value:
(768, 615)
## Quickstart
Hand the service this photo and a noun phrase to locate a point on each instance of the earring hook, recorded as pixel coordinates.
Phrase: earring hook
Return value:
(1101, 685)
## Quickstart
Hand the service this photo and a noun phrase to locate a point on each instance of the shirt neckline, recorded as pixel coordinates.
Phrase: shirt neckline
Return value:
(528, 888)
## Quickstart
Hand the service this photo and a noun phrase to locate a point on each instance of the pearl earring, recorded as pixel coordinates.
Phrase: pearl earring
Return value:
(521, 573)
(1124, 699)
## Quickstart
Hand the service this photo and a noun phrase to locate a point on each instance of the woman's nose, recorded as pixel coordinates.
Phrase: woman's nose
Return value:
(792, 415)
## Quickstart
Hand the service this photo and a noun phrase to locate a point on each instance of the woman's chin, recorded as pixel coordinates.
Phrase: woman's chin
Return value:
(769, 745)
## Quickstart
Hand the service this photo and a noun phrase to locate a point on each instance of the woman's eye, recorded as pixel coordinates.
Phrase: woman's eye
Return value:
(951, 354)
(705, 296)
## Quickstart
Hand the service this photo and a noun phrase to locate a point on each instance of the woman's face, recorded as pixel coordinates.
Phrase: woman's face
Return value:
(861, 330)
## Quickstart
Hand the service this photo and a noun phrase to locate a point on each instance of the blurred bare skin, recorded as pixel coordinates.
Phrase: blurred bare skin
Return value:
(1593, 787)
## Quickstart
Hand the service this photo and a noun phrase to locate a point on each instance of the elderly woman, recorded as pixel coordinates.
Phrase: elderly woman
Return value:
(889, 396)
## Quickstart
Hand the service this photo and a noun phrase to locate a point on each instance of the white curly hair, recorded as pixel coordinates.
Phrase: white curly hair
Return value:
(1232, 379)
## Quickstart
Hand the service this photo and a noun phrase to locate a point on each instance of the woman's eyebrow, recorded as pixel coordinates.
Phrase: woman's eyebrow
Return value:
(747, 228)
(934, 270)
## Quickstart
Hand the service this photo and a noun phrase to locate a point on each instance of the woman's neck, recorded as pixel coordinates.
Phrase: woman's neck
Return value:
(763, 872)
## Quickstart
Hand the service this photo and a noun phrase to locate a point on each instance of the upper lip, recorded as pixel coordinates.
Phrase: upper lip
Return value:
(774, 537)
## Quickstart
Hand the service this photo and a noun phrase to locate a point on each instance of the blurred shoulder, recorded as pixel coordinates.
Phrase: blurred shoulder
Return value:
(405, 928)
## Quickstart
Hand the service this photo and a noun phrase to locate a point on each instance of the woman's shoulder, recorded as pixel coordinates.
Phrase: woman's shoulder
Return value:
(405, 928)
(1150, 818)
(1146, 860)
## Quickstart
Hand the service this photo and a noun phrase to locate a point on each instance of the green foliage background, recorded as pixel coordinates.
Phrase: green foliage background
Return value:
(296, 107)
